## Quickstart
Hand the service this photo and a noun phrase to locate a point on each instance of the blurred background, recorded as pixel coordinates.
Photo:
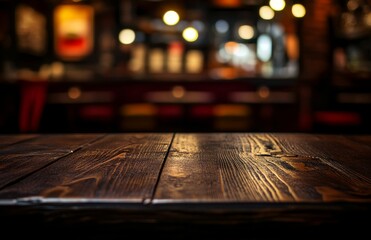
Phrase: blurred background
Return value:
(185, 66)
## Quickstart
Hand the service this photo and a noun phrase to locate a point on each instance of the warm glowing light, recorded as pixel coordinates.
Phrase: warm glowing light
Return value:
(267, 69)
(127, 36)
(31, 29)
(298, 10)
(73, 35)
(367, 19)
(263, 92)
(137, 61)
(138, 109)
(224, 110)
(57, 69)
(194, 61)
(228, 3)
(230, 47)
(237, 54)
(292, 45)
(277, 5)
(190, 34)
(246, 32)
(171, 17)
(265, 12)
(175, 57)
(178, 92)
(156, 60)
(221, 26)
(352, 5)
(74, 92)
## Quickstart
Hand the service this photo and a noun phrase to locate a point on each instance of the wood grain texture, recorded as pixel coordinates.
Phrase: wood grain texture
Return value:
(26, 157)
(350, 158)
(361, 139)
(10, 139)
(238, 167)
(119, 167)
(208, 185)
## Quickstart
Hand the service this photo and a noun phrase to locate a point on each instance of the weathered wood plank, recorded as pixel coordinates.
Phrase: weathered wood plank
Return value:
(26, 157)
(342, 168)
(208, 167)
(363, 139)
(212, 185)
(262, 168)
(349, 157)
(119, 167)
(10, 139)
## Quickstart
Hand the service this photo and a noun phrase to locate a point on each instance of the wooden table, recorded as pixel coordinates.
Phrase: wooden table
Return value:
(185, 185)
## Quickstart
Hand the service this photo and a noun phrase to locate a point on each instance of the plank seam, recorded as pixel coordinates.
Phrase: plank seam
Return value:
(148, 201)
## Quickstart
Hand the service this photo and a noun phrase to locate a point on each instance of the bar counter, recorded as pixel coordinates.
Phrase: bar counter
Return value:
(185, 185)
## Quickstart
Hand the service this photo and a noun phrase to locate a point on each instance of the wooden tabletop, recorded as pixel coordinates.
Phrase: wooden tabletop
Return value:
(185, 185)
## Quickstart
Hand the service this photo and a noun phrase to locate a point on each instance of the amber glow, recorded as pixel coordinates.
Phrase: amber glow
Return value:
(230, 47)
(228, 3)
(74, 92)
(73, 26)
(265, 12)
(246, 32)
(156, 60)
(194, 61)
(263, 92)
(298, 10)
(178, 92)
(367, 19)
(174, 57)
(30, 29)
(137, 62)
(139, 109)
(292, 44)
(227, 110)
